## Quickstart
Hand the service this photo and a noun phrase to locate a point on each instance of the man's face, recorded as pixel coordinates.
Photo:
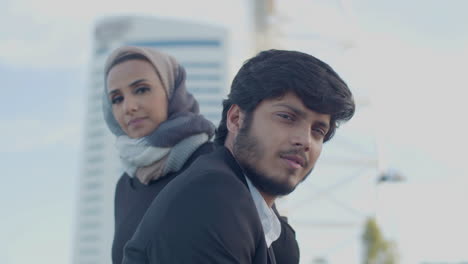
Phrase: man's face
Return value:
(279, 142)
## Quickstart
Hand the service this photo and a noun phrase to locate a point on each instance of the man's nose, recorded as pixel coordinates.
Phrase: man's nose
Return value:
(302, 137)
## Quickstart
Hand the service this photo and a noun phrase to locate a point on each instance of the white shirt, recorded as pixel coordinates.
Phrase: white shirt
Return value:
(270, 222)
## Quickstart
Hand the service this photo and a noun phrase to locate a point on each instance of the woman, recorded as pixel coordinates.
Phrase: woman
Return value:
(159, 133)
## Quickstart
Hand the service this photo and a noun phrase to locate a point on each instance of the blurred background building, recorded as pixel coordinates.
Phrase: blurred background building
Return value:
(201, 49)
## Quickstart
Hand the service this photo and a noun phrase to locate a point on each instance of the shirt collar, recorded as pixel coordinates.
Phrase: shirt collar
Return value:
(270, 222)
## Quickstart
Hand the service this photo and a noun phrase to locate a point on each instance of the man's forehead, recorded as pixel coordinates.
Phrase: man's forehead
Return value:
(292, 102)
(289, 99)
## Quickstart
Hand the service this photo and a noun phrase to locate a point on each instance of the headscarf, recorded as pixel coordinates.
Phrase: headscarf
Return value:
(184, 124)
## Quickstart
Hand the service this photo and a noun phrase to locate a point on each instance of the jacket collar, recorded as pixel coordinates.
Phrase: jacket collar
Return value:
(225, 156)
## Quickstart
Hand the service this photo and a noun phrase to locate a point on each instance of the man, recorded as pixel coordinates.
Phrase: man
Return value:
(283, 105)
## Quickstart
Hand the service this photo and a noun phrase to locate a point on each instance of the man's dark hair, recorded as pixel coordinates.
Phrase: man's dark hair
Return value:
(273, 73)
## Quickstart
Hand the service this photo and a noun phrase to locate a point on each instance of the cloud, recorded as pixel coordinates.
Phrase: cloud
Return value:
(413, 213)
(322, 20)
(416, 93)
(50, 231)
(50, 44)
(33, 135)
(62, 36)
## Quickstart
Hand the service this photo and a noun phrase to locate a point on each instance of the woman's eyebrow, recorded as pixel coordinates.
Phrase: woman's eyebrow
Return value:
(136, 82)
(113, 92)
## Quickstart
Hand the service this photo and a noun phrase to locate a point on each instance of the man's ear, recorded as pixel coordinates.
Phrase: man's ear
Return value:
(234, 119)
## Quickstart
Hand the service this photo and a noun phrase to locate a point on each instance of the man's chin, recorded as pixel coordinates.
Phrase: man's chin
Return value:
(273, 187)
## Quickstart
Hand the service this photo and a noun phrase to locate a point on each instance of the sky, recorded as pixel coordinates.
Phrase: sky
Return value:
(409, 57)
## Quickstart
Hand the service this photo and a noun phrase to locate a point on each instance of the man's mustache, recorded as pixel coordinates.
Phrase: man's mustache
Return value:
(297, 152)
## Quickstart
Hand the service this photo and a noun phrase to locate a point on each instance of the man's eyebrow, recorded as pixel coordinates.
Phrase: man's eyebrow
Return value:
(324, 125)
(302, 114)
(291, 108)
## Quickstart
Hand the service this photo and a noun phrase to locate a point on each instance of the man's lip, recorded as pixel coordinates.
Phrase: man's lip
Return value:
(298, 159)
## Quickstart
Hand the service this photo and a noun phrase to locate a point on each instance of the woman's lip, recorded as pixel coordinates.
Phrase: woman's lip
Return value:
(135, 121)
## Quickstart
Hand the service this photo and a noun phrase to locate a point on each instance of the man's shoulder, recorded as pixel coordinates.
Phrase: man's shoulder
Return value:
(216, 167)
(205, 211)
(210, 177)
(212, 182)
(204, 149)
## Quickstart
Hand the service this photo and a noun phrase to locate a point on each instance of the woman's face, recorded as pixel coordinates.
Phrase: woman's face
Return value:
(138, 98)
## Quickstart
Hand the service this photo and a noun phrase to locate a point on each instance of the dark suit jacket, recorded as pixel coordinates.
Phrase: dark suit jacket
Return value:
(205, 215)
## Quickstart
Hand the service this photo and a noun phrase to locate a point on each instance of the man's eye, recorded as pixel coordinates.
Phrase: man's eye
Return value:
(286, 116)
(320, 131)
(117, 99)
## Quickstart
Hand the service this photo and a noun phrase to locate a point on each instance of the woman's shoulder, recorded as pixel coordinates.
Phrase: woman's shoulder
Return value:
(123, 181)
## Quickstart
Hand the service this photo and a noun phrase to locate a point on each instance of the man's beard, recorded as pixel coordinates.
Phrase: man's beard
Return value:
(247, 150)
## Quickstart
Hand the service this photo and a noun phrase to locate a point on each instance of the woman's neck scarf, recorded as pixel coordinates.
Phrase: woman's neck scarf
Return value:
(167, 148)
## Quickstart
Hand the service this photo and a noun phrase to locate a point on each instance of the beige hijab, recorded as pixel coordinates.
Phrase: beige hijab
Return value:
(166, 148)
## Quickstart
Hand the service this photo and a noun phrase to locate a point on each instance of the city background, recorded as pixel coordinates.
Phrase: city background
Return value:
(405, 62)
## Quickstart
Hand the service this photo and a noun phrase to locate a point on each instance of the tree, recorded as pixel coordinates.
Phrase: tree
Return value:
(377, 250)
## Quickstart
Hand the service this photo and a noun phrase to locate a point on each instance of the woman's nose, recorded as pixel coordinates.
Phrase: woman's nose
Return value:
(130, 105)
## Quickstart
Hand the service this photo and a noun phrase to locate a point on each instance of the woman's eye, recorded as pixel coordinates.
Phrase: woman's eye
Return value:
(117, 99)
(141, 90)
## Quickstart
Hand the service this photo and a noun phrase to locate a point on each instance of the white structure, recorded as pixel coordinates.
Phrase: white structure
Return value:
(201, 49)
